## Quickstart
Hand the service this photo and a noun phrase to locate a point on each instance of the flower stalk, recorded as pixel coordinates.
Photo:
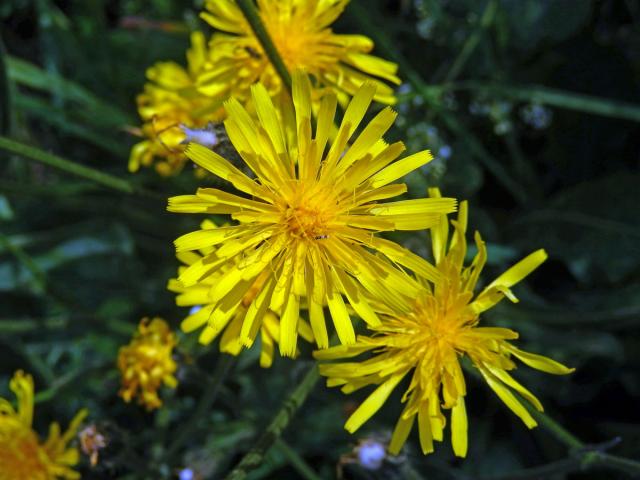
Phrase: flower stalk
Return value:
(250, 12)
(254, 457)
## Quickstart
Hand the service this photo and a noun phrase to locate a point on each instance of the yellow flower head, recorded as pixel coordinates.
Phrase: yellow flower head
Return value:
(199, 294)
(169, 106)
(146, 363)
(301, 33)
(426, 338)
(310, 224)
(22, 455)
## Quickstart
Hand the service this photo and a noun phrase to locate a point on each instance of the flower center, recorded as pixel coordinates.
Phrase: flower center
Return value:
(301, 42)
(308, 211)
(441, 320)
(306, 223)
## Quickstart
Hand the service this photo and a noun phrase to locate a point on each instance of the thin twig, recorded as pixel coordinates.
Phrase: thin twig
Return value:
(253, 17)
(472, 41)
(254, 457)
(555, 98)
(105, 179)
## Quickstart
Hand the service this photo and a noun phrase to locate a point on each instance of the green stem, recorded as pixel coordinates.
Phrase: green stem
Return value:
(250, 12)
(296, 460)
(557, 98)
(33, 153)
(225, 363)
(627, 465)
(254, 457)
(553, 427)
(472, 42)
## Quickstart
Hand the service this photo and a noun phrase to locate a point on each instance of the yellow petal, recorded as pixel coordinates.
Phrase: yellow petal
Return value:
(400, 168)
(355, 297)
(424, 431)
(508, 380)
(255, 313)
(401, 433)
(509, 400)
(196, 320)
(315, 297)
(520, 270)
(339, 314)
(266, 354)
(371, 134)
(459, 426)
(540, 362)
(372, 404)
(341, 351)
(289, 326)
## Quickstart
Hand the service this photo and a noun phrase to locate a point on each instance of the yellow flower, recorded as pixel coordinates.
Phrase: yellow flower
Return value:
(146, 363)
(310, 224)
(426, 339)
(301, 33)
(199, 295)
(22, 456)
(169, 103)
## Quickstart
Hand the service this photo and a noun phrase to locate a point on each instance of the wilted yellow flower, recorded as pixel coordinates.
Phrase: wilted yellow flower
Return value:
(169, 106)
(301, 33)
(311, 222)
(146, 363)
(22, 456)
(426, 338)
(199, 295)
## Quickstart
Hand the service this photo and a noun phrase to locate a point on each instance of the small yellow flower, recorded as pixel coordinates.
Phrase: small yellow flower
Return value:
(146, 363)
(301, 33)
(169, 104)
(22, 456)
(309, 227)
(426, 339)
(199, 295)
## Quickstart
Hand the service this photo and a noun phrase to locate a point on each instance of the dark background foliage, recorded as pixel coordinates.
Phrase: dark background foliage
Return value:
(531, 108)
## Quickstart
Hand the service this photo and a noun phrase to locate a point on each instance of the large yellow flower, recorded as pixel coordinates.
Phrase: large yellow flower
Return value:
(426, 338)
(311, 221)
(22, 456)
(169, 106)
(199, 295)
(300, 30)
(146, 363)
